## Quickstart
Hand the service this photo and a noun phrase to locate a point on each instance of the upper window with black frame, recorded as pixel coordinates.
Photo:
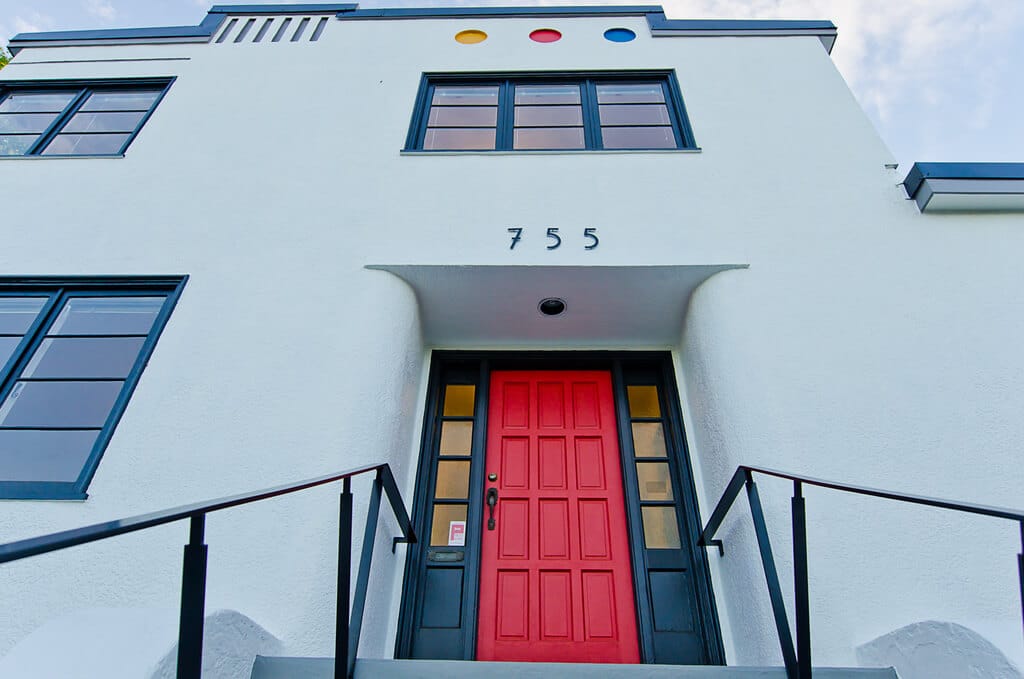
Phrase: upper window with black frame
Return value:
(74, 119)
(70, 354)
(614, 111)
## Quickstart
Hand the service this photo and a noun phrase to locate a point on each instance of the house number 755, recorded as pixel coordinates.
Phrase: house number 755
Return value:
(554, 239)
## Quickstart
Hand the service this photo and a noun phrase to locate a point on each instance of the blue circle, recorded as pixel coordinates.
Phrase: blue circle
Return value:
(619, 35)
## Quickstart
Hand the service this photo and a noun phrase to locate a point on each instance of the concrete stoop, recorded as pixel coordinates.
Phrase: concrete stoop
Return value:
(269, 667)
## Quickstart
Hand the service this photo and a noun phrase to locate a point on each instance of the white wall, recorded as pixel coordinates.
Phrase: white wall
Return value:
(866, 342)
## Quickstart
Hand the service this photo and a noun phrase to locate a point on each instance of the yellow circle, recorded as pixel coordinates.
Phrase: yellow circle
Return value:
(470, 37)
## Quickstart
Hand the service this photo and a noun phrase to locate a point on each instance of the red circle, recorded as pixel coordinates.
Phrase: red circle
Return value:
(545, 35)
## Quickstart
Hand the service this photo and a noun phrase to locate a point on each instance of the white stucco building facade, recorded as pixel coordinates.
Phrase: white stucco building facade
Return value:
(806, 313)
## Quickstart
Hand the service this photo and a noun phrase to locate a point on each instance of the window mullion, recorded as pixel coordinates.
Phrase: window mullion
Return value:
(506, 116)
(30, 340)
(58, 122)
(591, 117)
(428, 102)
(673, 116)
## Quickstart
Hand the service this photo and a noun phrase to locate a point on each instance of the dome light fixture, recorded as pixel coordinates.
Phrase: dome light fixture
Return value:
(551, 306)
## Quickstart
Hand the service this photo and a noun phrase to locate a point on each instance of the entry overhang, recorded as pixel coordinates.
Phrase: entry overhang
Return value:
(606, 306)
(967, 187)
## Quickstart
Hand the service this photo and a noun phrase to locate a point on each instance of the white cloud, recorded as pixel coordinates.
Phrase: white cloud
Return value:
(32, 22)
(101, 9)
(885, 48)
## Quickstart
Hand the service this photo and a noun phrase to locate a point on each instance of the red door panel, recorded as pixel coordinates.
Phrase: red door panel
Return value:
(555, 582)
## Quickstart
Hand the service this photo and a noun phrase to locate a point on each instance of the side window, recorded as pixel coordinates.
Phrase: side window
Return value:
(616, 111)
(70, 358)
(98, 119)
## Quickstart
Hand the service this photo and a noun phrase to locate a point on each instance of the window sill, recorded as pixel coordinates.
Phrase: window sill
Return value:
(56, 157)
(580, 152)
(7, 496)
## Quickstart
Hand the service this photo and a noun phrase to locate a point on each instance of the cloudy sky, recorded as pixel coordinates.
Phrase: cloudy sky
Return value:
(941, 79)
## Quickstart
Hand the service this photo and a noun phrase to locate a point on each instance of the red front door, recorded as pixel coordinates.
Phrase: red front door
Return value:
(555, 580)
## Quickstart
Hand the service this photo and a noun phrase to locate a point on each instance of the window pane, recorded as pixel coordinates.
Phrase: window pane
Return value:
(7, 347)
(634, 93)
(462, 96)
(458, 400)
(545, 116)
(548, 138)
(104, 122)
(443, 516)
(463, 116)
(649, 439)
(107, 316)
(16, 145)
(84, 357)
(660, 529)
(18, 313)
(134, 100)
(459, 139)
(638, 138)
(456, 438)
(452, 480)
(547, 94)
(37, 102)
(25, 122)
(59, 404)
(44, 455)
(654, 480)
(643, 401)
(86, 144)
(635, 114)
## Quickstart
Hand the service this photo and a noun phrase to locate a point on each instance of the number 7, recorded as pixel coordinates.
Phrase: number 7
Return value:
(517, 236)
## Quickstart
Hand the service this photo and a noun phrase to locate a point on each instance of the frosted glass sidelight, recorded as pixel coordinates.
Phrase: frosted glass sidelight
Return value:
(458, 400)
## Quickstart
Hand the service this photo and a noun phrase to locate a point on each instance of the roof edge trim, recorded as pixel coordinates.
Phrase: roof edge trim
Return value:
(309, 8)
(490, 12)
(205, 29)
(659, 24)
(928, 180)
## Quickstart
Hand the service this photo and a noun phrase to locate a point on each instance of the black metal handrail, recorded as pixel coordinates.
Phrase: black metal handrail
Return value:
(193, 588)
(798, 659)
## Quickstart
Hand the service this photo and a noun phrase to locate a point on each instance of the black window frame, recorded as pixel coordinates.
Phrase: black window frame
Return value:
(591, 123)
(58, 291)
(82, 89)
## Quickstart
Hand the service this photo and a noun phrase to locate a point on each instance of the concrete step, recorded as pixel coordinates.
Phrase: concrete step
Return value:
(267, 667)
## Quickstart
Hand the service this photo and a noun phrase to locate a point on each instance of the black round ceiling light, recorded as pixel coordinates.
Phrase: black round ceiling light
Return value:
(551, 306)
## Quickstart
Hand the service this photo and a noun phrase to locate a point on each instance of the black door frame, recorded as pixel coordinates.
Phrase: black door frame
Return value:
(457, 637)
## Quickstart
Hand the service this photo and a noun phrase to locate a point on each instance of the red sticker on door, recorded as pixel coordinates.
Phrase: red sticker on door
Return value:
(456, 533)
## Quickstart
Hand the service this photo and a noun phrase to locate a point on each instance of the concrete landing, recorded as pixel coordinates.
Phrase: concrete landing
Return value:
(323, 668)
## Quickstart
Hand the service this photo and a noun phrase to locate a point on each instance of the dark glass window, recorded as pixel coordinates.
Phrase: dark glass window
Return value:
(98, 119)
(637, 111)
(70, 354)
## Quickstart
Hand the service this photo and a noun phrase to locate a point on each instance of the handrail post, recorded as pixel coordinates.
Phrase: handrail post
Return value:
(771, 576)
(800, 582)
(193, 602)
(363, 579)
(344, 582)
